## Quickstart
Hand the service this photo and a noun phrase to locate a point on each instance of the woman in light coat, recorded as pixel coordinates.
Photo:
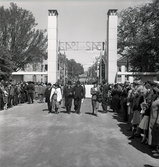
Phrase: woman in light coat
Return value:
(154, 123)
(55, 98)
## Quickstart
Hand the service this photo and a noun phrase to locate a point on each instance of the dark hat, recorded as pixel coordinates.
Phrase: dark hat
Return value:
(78, 82)
(69, 83)
(56, 84)
(49, 84)
(104, 81)
(94, 82)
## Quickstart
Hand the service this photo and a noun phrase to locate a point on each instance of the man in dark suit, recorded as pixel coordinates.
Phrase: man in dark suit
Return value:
(105, 96)
(30, 91)
(47, 96)
(78, 96)
(68, 96)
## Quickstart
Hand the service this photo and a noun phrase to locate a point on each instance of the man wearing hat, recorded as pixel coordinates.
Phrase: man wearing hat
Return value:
(30, 90)
(78, 92)
(68, 96)
(95, 90)
(47, 96)
(105, 96)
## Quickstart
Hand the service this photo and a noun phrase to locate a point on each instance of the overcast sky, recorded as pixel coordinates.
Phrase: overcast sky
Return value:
(78, 20)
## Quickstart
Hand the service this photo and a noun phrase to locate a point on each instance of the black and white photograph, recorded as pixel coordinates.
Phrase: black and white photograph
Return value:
(79, 83)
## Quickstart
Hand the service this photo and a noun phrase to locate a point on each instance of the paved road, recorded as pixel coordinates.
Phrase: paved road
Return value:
(30, 137)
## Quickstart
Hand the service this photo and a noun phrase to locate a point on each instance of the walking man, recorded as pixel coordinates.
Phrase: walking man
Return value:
(94, 92)
(68, 96)
(30, 91)
(78, 96)
(47, 96)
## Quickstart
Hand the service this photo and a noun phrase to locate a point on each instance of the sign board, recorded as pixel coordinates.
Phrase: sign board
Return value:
(81, 46)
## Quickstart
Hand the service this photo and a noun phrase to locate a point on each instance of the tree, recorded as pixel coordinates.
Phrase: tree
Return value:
(18, 36)
(74, 68)
(138, 36)
(6, 65)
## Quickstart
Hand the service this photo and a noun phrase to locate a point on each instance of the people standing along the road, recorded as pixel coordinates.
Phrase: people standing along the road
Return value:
(115, 98)
(41, 92)
(145, 113)
(15, 95)
(63, 98)
(36, 96)
(5, 96)
(138, 99)
(47, 96)
(30, 91)
(154, 126)
(105, 90)
(123, 101)
(55, 97)
(153, 115)
(95, 90)
(78, 96)
(68, 96)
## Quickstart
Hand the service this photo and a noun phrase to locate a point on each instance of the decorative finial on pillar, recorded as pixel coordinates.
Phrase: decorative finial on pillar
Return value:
(52, 12)
(112, 12)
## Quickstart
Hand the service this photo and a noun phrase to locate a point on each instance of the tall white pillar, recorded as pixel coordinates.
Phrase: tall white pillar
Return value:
(52, 46)
(112, 45)
(122, 76)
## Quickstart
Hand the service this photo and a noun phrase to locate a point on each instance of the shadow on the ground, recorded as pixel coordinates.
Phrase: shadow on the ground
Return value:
(102, 112)
(90, 113)
(45, 110)
(65, 112)
(136, 142)
(146, 165)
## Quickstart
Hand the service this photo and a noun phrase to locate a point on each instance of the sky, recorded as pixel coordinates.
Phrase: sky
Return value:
(78, 20)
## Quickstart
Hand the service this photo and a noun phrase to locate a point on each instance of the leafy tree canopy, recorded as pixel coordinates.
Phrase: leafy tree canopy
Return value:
(18, 36)
(73, 68)
(6, 65)
(138, 36)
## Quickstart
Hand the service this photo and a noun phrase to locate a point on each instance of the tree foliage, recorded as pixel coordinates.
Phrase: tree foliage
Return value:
(18, 36)
(6, 65)
(73, 68)
(138, 36)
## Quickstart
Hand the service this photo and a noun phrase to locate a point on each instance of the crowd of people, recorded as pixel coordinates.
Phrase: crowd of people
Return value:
(56, 94)
(138, 103)
(12, 94)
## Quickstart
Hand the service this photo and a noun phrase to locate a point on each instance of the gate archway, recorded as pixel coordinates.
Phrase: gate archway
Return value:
(110, 51)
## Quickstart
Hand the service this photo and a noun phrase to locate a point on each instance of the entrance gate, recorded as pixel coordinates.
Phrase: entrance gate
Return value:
(110, 52)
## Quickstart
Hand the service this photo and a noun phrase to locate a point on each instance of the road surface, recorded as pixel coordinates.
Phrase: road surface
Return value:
(30, 137)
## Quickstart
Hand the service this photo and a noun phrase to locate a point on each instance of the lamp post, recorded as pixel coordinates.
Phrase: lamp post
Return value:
(98, 69)
(64, 68)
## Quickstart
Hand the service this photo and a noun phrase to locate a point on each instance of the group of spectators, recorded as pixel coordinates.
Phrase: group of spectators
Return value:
(12, 94)
(138, 103)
